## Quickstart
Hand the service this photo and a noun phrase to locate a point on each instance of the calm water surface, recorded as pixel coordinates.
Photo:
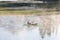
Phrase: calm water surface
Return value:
(14, 28)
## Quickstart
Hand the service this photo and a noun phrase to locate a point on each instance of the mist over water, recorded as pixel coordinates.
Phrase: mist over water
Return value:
(16, 28)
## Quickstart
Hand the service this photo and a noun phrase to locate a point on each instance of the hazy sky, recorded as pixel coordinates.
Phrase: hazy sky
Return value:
(8, 0)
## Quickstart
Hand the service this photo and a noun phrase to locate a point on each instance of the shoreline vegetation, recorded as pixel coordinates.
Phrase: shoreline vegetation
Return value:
(14, 8)
(28, 12)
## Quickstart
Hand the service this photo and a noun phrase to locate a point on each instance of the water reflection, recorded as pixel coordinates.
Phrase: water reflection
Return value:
(27, 27)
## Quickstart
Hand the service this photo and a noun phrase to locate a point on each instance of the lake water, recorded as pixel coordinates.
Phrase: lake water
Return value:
(15, 28)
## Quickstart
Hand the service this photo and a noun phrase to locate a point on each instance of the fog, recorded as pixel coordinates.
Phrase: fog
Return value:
(15, 28)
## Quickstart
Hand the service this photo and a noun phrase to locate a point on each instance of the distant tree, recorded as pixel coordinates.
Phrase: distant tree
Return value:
(58, 5)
